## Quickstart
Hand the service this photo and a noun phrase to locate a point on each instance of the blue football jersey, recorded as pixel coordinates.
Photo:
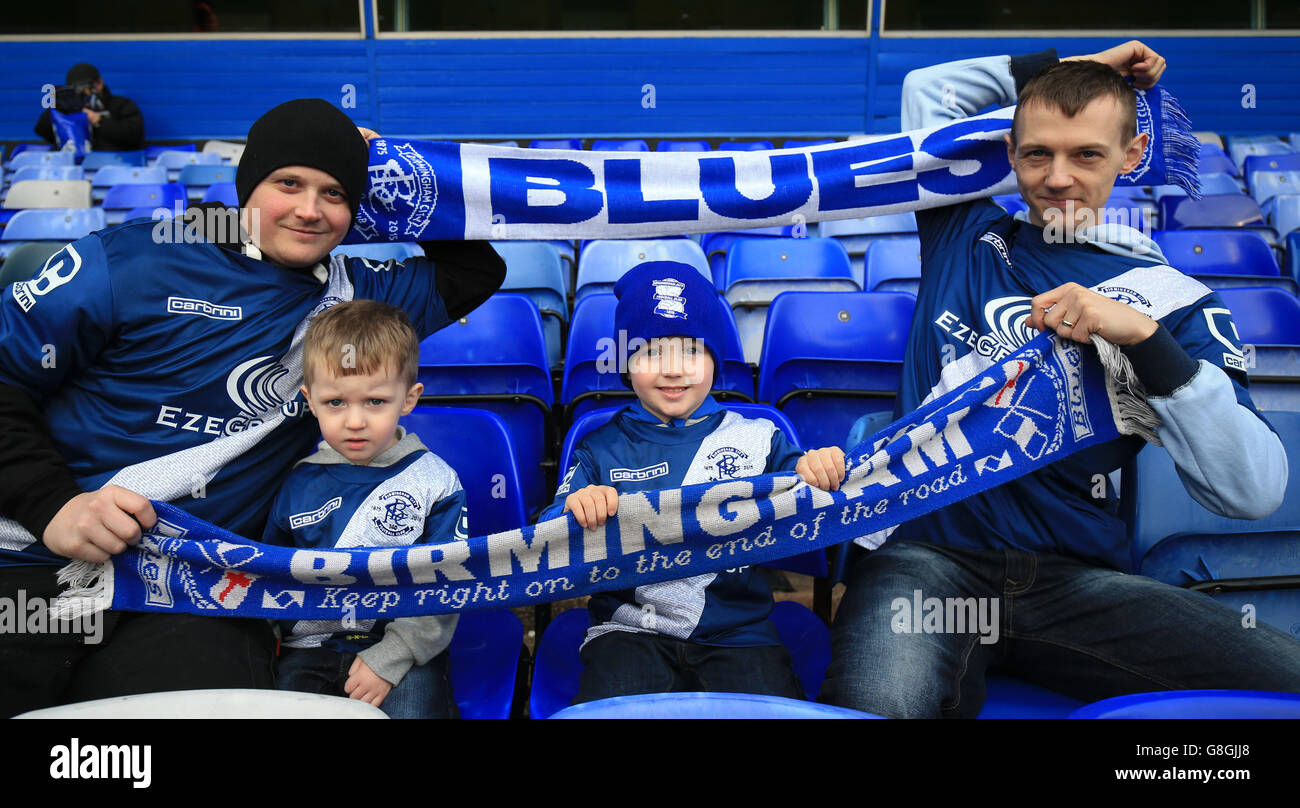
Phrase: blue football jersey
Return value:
(633, 452)
(980, 269)
(173, 369)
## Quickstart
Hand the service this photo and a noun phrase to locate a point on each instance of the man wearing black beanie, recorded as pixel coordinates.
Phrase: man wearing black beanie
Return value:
(176, 379)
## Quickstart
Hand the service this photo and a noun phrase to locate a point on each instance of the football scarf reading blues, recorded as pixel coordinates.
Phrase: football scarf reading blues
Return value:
(420, 190)
(1051, 398)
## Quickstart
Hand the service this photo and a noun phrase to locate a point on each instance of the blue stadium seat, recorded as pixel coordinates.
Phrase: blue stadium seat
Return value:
(1214, 160)
(533, 268)
(620, 145)
(484, 663)
(1123, 207)
(174, 160)
(1175, 540)
(604, 261)
(1242, 146)
(48, 173)
(557, 666)
(755, 145)
(811, 563)
(19, 148)
(1222, 258)
(683, 145)
(716, 246)
(573, 144)
(1211, 185)
(97, 160)
(495, 359)
(197, 178)
(1139, 192)
(477, 445)
(1196, 704)
(48, 194)
(223, 192)
(1267, 184)
(111, 175)
(41, 158)
(1268, 324)
(381, 251)
(1008, 697)
(857, 235)
(54, 224)
(758, 270)
(1283, 213)
(588, 384)
(1270, 162)
(1212, 210)
(830, 357)
(893, 265)
(706, 706)
(121, 198)
(153, 153)
(1293, 256)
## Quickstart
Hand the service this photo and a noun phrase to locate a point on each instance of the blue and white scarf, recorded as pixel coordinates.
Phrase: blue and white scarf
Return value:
(1050, 399)
(420, 190)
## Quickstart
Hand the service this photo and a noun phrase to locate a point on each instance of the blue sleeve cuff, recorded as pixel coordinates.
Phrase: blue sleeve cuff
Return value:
(1024, 68)
(1161, 363)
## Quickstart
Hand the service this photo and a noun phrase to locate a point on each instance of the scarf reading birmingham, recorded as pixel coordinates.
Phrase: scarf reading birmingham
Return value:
(1048, 400)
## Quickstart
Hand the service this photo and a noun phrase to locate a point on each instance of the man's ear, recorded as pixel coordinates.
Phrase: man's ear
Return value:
(412, 398)
(1011, 148)
(1133, 154)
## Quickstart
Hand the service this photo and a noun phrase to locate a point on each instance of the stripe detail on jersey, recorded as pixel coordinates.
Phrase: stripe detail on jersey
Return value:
(414, 490)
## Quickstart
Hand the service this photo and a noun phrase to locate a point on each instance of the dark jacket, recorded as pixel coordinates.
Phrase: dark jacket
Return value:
(120, 129)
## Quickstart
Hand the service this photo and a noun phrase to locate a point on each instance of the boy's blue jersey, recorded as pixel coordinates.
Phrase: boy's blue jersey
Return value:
(327, 502)
(174, 369)
(980, 269)
(633, 452)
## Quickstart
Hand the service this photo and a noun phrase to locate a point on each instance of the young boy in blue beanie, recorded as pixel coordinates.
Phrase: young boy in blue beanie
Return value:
(706, 632)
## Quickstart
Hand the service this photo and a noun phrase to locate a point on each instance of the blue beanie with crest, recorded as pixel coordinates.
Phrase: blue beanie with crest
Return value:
(669, 299)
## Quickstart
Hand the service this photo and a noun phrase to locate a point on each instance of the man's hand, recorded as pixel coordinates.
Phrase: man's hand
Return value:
(1131, 59)
(363, 684)
(1077, 313)
(592, 505)
(97, 524)
(823, 468)
(92, 116)
(368, 134)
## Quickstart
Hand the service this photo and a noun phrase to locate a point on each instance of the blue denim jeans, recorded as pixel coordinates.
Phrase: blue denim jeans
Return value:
(424, 692)
(625, 663)
(1085, 631)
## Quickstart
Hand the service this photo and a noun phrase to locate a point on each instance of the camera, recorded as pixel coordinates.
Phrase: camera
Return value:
(70, 99)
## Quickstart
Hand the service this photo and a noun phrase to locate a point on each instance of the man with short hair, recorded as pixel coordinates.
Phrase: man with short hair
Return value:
(142, 363)
(116, 123)
(1051, 554)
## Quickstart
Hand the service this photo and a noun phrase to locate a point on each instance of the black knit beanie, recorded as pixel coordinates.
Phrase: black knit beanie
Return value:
(305, 132)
